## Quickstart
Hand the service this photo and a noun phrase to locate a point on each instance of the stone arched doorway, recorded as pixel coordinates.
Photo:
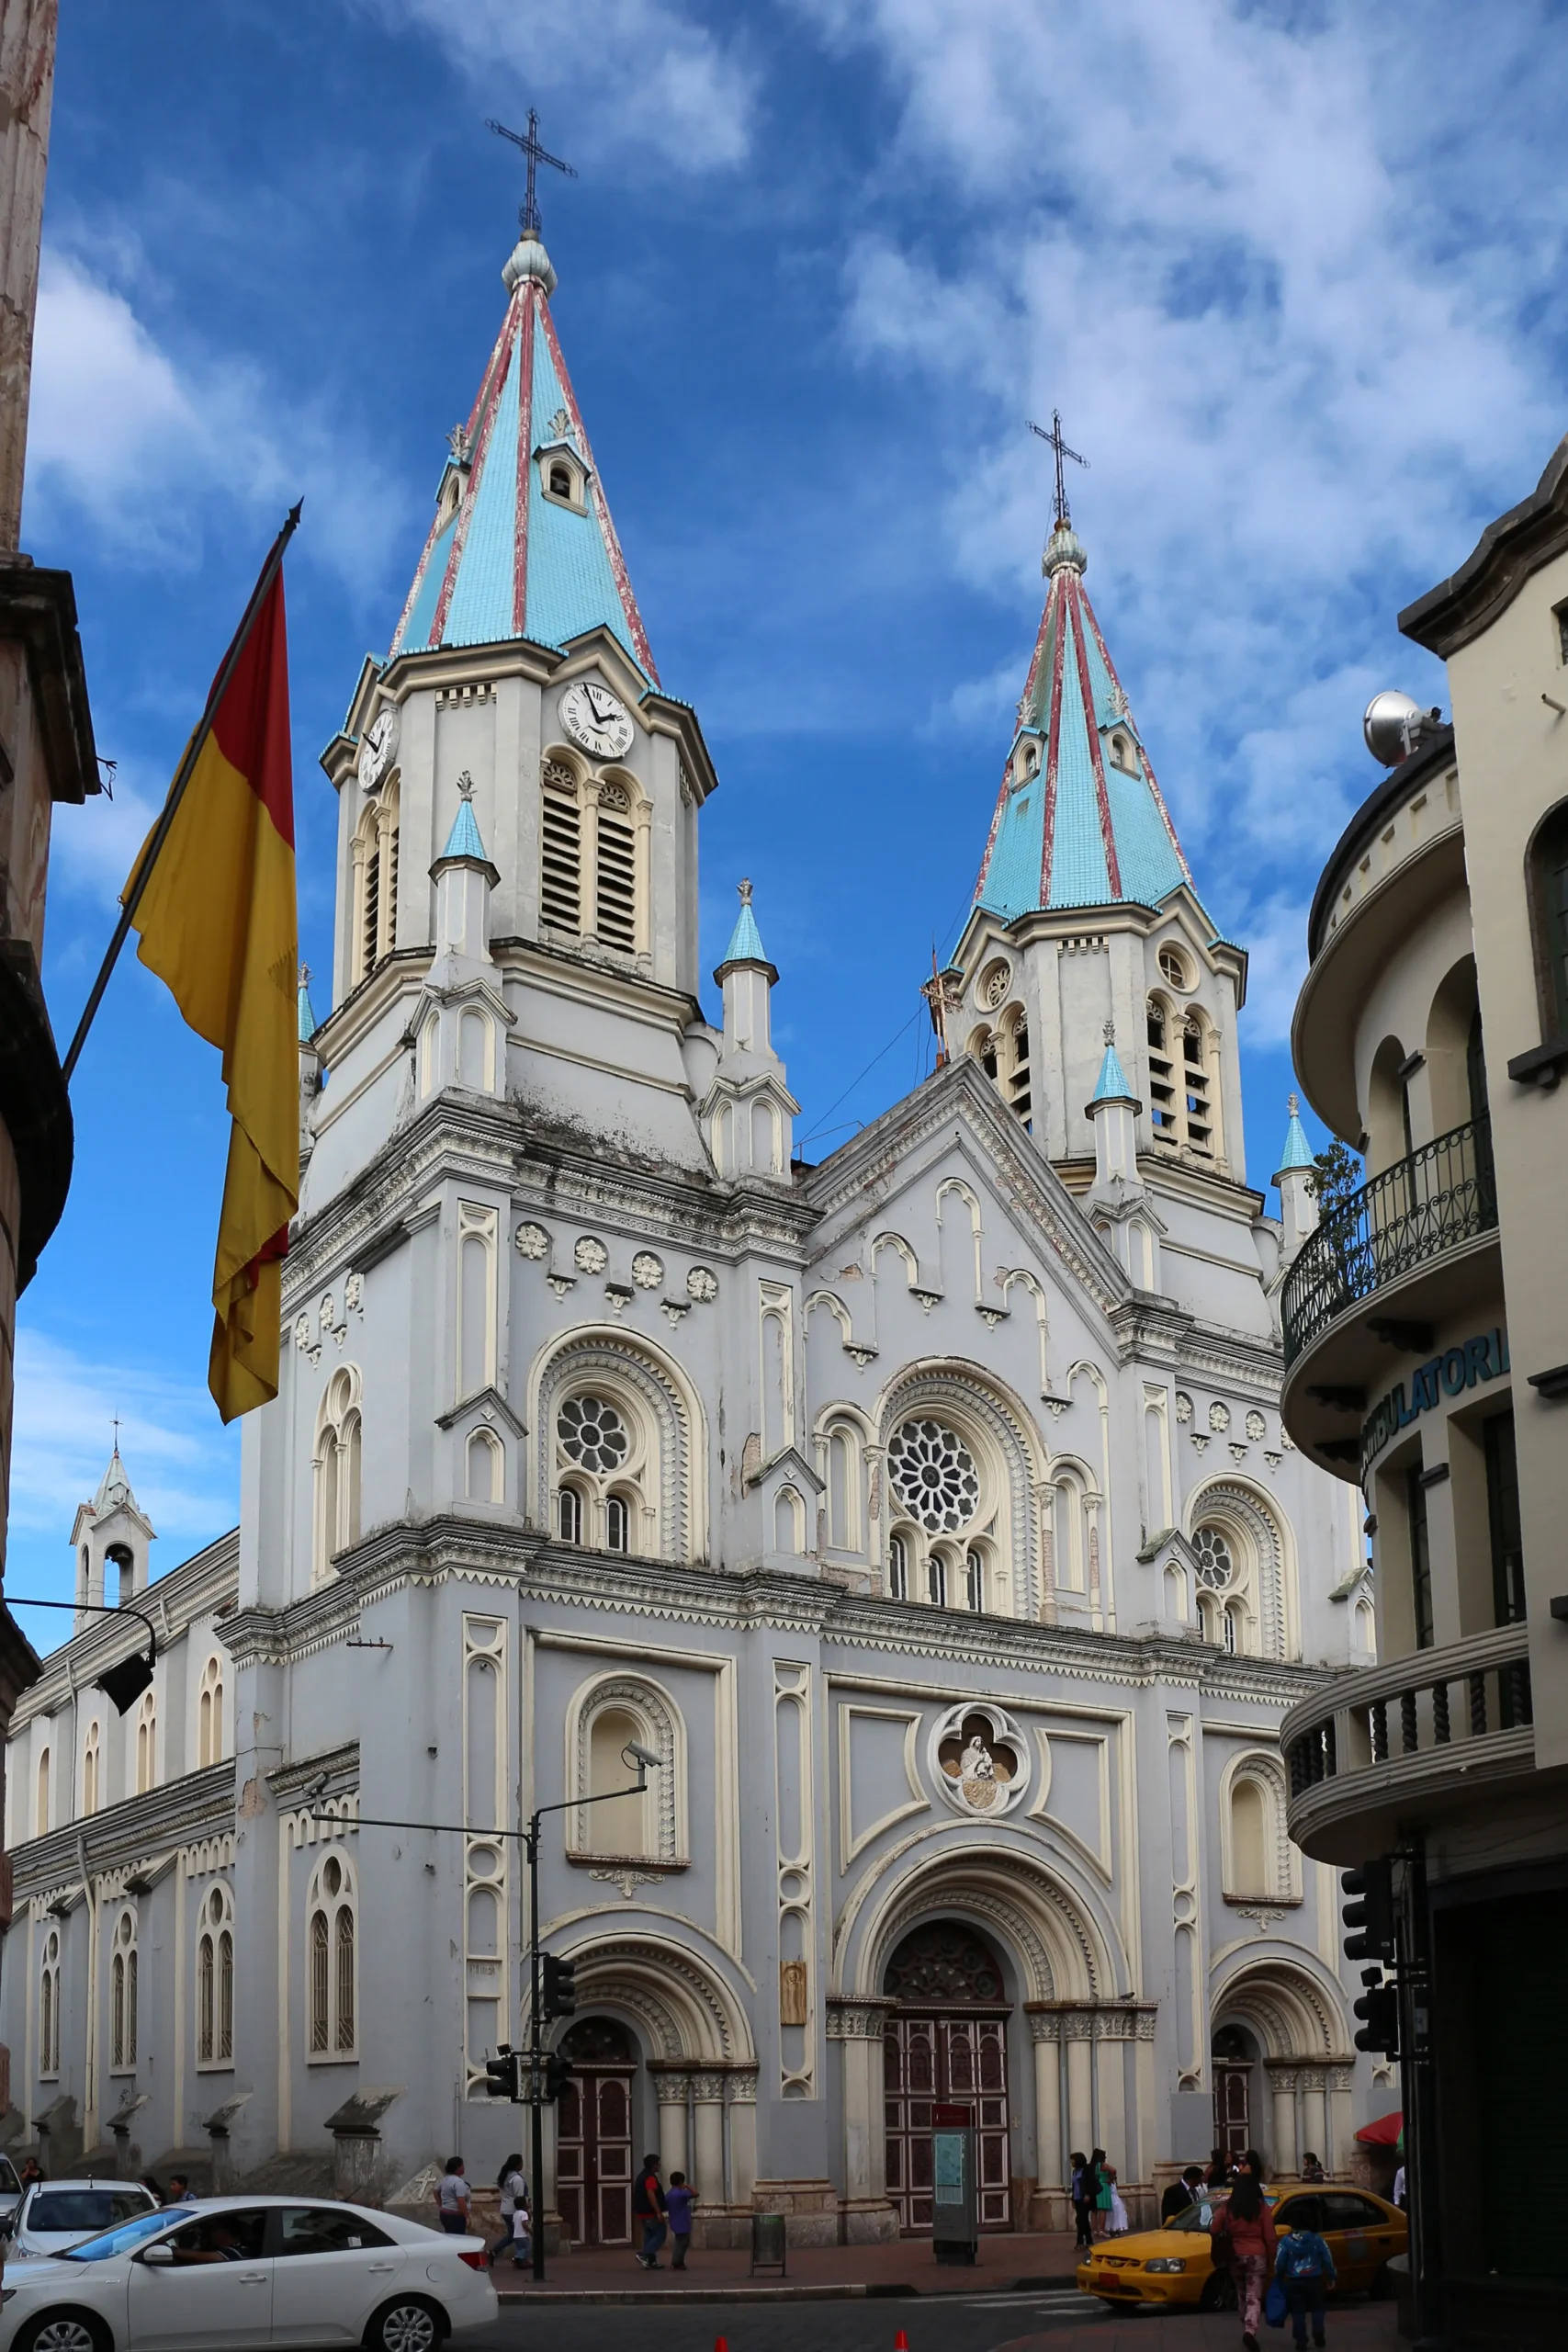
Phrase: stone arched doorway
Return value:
(944, 2046)
(593, 2133)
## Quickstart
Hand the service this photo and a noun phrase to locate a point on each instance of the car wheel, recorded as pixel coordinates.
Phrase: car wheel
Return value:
(63, 2332)
(1219, 2293)
(410, 2324)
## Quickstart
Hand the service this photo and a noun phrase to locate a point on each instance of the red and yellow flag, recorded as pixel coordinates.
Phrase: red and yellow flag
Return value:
(218, 923)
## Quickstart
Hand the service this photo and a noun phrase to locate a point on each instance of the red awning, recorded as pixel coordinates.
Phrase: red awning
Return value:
(1384, 2133)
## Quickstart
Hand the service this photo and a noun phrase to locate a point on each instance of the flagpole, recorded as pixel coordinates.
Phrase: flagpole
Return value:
(176, 790)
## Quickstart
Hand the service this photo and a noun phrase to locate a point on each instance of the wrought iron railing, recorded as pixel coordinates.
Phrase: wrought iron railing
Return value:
(1439, 1196)
(1459, 1701)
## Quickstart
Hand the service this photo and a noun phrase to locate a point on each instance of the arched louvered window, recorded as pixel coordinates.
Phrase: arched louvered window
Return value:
(560, 875)
(376, 844)
(616, 916)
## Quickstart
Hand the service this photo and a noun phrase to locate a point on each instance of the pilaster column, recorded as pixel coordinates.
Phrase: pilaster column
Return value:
(1340, 2131)
(708, 2153)
(1077, 2031)
(672, 2088)
(1314, 2112)
(1284, 2155)
(741, 2096)
(857, 2027)
(1050, 2159)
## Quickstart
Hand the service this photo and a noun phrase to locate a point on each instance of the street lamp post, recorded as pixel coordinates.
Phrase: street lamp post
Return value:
(637, 1759)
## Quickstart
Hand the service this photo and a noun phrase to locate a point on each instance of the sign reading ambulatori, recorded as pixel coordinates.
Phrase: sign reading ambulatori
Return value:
(1448, 1375)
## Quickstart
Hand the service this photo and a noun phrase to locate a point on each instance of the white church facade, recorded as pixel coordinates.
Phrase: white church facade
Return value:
(926, 1512)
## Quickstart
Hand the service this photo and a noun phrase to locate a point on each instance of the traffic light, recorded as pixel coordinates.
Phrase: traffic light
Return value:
(1368, 1916)
(557, 2074)
(559, 1986)
(503, 2072)
(1377, 2010)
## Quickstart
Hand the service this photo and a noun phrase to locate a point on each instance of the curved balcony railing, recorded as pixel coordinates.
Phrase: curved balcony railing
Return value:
(1439, 1719)
(1439, 1196)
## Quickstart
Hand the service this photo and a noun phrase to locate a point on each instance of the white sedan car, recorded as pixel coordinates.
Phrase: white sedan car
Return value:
(237, 2271)
(55, 2214)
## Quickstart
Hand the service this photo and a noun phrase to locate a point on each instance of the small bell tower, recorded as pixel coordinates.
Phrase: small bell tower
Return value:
(112, 1531)
(748, 1113)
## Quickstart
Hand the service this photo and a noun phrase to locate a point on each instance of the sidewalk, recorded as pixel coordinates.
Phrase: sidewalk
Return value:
(905, 2266)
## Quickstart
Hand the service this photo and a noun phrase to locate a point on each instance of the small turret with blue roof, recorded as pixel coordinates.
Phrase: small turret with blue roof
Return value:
(1085, 911)
(1297, 1178)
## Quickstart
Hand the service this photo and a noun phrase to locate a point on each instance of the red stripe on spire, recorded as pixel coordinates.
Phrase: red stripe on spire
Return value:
(1048, 822)
(1107, 832)
(991, 836)
(1148, 764)
(607, 528)
(525, 465)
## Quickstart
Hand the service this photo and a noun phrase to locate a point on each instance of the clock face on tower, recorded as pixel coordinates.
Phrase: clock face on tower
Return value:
(597, 719)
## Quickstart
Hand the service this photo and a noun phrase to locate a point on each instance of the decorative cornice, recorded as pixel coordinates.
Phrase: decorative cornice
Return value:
(1509, 551)
(179, 1813)
(206, 1584)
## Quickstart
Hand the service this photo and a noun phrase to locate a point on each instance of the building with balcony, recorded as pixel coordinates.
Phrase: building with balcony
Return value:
(1426, 1332)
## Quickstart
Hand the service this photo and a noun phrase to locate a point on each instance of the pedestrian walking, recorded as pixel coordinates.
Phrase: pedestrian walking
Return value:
(1181, 2193)
(1081, 2189)
(153, 2187)
(453, 2198)
(513, 2190)
(1102, 2192)
(1219, 2173)
(1242, 2233)
(1311, 2169)
(180, 2190)
(648, 2207)
(679, 2200)
(1304, 2267)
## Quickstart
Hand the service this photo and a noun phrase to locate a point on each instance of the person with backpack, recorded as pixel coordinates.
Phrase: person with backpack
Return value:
(1304, 2267)
(1241, 2235)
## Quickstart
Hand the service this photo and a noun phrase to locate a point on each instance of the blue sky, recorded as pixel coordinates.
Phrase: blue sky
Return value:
(1292, 270)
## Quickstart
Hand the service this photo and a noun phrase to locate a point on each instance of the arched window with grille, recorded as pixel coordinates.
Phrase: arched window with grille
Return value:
(948, 1496)
(335, 1470)
(123, 1995)
(1184, 1080)
(332, 1961)
(147, 1743)
(215, 1978)
(49, 2005)
(604, 1458)
(209, 1714)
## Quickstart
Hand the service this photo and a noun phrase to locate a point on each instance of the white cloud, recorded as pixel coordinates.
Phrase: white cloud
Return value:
(182, 1466)
(636, 74)
(1302, 324)
(140, 442)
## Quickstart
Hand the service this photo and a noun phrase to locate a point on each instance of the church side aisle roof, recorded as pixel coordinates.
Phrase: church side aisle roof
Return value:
(1085, 828)
(507, 560)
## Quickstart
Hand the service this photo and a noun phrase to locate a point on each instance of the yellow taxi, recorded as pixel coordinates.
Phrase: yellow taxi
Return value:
(1173, 2267)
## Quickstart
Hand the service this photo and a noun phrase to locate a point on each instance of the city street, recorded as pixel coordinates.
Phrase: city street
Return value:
(1045, 2323)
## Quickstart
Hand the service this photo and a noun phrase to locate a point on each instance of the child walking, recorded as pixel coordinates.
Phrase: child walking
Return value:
(1304, 2267)
(678, 2203)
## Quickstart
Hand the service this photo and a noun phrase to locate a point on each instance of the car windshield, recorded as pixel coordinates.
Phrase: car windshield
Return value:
(133, 2232)
(83, 2209)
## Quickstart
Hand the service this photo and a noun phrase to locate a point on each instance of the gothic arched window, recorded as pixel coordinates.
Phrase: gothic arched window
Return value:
(1258, 1863)
(335, 1471)
(209, 1714)
(147, 1743)
(601, 1455)
(123, 1995)
(41, 1809)
(215, 1978)
(332, 1967)
(897, 1567)
(940, 1497)
(592, 836)
(92, 1765)
(1184, 1082)
(49, 2005)
(609, 1716)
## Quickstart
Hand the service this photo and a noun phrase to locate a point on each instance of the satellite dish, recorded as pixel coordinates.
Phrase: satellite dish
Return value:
(1393, 726)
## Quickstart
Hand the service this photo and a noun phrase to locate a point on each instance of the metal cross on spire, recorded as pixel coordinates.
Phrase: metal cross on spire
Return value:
(528, 217)
(1054, 441)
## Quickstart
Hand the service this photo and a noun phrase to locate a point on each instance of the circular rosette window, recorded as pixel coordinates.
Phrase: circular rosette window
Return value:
(593, 1433)
(935, 1476)
(981, 1759)
(1215, 1567)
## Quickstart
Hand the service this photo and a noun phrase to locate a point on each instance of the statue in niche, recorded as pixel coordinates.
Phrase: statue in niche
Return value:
(981, 1765)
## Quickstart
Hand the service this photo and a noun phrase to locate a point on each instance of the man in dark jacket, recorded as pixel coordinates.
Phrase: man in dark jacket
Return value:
(1181, 2193)
(648, 2207)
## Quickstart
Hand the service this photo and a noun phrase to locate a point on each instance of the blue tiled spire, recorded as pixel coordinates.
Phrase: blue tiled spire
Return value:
(508, 555)
(1111, 1085)
(745, 941)
(307, 1018)
(463, 840)
(1298, 1151)
(1080, 819)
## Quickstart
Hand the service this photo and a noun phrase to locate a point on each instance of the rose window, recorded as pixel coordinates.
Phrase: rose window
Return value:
(1216, 1567)
(593, 1433)
(935, 1476)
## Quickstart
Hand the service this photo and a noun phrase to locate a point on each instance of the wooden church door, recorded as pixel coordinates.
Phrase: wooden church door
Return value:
(593, 2134)
(954, 2055)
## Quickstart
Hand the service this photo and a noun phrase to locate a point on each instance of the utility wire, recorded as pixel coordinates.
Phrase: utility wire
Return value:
(821, 1127)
